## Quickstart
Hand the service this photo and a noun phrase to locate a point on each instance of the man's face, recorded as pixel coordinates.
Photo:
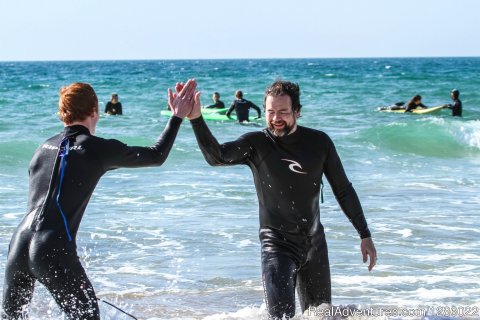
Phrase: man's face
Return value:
(280, 117)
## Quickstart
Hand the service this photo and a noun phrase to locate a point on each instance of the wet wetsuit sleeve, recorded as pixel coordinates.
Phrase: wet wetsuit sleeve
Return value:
(119, 109)
(107, 107)
(232, 106)
(456, 108)
(254, 106)
(344, 192)
(117, 154)
(229, 153)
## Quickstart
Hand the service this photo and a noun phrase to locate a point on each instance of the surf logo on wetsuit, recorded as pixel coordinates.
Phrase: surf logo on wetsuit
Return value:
(50, 147)
(293, 165)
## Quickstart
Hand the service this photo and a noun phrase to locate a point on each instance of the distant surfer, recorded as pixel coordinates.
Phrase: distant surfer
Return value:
(414, 103)
(217, 103)
(456, 106)
(288, 162)
(114, 107)
(242, 107)
(63, 174)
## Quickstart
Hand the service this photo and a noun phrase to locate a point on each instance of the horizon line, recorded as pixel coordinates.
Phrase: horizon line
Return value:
(219, 59)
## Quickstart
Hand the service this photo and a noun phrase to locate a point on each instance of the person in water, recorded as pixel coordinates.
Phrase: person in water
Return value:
(456, 106)
(218, 104)
(288, 162)
(414, 103)
(63, 174)
(114, 107)
(242, 107)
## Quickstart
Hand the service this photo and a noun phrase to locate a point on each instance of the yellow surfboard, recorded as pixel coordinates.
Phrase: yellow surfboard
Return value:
(416, 111)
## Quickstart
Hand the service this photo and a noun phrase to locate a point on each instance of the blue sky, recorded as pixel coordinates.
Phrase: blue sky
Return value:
(193, 29)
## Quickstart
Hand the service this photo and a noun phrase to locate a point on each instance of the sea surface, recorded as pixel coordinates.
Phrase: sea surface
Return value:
(180, 241)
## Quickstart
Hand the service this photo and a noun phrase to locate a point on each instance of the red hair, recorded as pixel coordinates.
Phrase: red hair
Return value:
(77, 102)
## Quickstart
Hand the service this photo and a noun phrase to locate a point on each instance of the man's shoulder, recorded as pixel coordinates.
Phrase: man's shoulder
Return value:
(254, 134)
(312, 132)
(314, 138)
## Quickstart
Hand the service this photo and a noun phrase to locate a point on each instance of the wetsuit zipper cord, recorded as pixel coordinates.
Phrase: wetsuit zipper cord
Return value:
(63, 164)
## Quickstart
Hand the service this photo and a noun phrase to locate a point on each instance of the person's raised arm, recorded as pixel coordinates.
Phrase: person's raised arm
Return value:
(229, 153)
(118, 154)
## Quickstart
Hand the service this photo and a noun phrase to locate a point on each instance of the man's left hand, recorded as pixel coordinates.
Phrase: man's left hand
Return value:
(368, 249)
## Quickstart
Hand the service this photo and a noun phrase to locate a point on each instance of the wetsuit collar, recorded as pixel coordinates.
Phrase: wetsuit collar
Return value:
(288, 139)
(76, 130)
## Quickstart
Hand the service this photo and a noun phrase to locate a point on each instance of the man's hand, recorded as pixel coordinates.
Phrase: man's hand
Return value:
(368, 249)
(182, 101)
(196, 111)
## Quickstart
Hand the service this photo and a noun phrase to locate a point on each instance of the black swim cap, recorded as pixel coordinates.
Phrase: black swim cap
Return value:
(455, 91)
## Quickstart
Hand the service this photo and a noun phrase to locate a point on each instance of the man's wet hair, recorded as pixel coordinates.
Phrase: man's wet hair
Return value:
(284, 88)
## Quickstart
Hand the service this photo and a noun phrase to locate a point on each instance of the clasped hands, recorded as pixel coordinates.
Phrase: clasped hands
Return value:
(185, 101)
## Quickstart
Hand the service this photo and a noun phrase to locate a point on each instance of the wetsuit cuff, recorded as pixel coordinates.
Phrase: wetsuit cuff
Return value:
(175, 120)
(365, 234)
(197, 121)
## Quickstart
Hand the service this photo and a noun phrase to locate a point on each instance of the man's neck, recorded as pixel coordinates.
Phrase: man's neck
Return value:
(86, 123)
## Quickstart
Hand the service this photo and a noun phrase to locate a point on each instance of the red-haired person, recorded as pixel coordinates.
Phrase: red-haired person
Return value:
(63, 174)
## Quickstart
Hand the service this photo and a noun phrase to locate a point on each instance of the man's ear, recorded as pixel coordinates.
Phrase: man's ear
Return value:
(95, 113)
(297, 114)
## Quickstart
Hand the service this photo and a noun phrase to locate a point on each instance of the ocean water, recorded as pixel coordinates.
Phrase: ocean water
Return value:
(181, 241)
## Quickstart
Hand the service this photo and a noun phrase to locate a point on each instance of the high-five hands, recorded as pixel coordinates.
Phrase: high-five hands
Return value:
(196, 110)
(183, 100)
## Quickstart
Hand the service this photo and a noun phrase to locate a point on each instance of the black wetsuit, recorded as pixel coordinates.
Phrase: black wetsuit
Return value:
(113, 109)
(242, 108)
(43, 247)
(217, 105)
(410, 106)
(287, 172)
(456, 108)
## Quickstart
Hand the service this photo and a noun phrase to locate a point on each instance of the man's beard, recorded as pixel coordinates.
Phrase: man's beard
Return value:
(281, 132)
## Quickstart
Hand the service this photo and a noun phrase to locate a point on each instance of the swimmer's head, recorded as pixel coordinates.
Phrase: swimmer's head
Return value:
(77, 102)
(239, 94)
(114, 98)
(455, 93)
(417, 99)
